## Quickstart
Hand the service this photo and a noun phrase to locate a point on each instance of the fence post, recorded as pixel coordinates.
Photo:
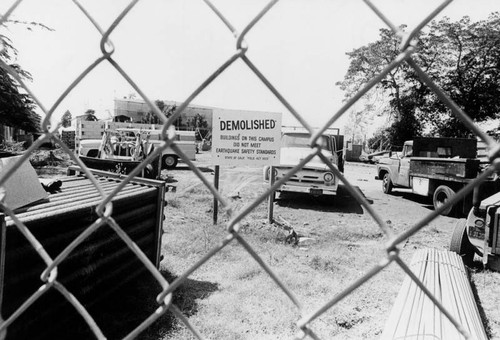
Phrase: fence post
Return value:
(270, 202)
(216, 185)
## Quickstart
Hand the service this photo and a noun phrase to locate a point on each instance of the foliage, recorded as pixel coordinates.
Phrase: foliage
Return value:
(151, 117)
(66, 119)
(12, 147)
(460, 57)
(168, 110)
(90, 116)
(16, 107)
(468, 53)
(355, 129)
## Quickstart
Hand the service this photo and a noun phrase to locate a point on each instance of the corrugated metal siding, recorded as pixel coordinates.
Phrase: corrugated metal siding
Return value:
(97, 267)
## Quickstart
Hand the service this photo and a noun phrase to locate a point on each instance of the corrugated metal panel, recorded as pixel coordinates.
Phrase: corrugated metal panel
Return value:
(98, 266)
(415, 316)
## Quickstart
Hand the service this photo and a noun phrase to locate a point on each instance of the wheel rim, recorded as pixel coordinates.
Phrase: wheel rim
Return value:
(441, 199)
(169, 161)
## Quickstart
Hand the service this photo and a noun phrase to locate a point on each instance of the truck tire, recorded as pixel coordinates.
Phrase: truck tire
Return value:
(387, 183)
(460, 243)
(442, 194)
(169, 161)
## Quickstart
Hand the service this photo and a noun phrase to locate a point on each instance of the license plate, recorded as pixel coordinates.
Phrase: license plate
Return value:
(475, 232)
(316, 191)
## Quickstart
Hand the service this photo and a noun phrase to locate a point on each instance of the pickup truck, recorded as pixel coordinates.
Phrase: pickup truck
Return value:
(432, 167)
(315, 178)
(479, 233)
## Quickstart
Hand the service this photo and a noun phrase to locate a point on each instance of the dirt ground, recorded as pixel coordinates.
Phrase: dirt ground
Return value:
(316, 218)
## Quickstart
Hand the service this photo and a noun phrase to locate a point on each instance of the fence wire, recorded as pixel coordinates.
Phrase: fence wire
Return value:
(49, 277)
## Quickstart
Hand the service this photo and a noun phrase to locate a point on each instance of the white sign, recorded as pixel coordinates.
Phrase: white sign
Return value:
(246, 138)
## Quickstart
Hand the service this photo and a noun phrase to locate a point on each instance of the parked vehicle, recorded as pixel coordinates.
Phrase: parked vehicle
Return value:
(375, 157)
(169, 158)
(363, 158)
(120, 151)
(315, 178)
(479, 233)
(433, 167)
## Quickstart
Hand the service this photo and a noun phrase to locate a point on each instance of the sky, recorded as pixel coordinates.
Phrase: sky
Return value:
(169, 48)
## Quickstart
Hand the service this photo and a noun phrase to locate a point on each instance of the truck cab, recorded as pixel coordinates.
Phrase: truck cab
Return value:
(315, 178)
(397, 167)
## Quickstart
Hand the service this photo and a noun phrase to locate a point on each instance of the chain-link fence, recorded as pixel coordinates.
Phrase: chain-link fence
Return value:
(49, 277)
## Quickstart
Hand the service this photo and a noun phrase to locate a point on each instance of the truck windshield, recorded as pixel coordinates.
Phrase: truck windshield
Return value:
(301, 141)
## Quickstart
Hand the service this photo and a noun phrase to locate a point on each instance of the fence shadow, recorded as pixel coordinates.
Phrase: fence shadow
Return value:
(185, 167)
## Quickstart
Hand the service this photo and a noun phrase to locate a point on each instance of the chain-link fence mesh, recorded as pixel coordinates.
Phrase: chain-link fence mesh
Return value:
(49, 278)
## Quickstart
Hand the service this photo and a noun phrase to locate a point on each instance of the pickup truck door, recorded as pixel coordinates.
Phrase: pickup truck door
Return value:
(404, 167)
(404, 172)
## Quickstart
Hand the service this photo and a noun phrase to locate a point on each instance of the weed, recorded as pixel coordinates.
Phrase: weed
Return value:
(321, 264)
(174, 202)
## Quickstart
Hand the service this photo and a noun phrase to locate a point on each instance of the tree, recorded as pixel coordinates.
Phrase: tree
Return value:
(199, 123)
(366, 63)
(461, 57)
(66, 119)
(90, 116)
(468, 55)
(355, 128)
(151, 117)
(16, 107)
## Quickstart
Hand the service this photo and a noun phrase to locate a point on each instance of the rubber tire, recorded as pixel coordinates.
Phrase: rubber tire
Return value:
(460, 243)
(169, 161)
(440, 196)
(387, 183)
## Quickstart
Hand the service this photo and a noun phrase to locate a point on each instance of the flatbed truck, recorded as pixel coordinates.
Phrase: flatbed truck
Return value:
(435, 167)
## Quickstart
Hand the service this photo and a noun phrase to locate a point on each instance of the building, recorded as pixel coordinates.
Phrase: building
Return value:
(138, 111)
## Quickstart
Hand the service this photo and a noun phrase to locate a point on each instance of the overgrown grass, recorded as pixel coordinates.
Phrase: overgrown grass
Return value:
(248, 304)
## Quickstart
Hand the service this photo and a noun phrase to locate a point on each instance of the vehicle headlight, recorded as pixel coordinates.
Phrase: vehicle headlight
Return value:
(274, 171)
(328, 177)
(479, 223)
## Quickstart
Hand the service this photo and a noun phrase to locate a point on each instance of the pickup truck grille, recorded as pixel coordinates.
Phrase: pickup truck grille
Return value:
(306, 176)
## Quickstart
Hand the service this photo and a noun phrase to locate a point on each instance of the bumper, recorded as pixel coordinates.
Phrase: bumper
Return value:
(329, 191)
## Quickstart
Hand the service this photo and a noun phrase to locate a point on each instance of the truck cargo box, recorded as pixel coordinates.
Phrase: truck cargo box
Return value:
(456, 169)
(444, 147)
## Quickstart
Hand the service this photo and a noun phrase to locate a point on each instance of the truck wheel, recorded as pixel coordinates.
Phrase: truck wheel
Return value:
(442, 194)
(460, 243)
(387, 184)
(169, 161)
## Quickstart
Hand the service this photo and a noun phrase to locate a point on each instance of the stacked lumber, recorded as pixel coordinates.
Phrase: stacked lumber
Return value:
(415, 316)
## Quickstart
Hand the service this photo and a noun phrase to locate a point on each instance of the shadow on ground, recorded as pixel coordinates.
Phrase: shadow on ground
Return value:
(185, 298)
(478, 266)
(119, 313)
(139, 303)
(185, 167)
(425, 202)
(343, 202)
